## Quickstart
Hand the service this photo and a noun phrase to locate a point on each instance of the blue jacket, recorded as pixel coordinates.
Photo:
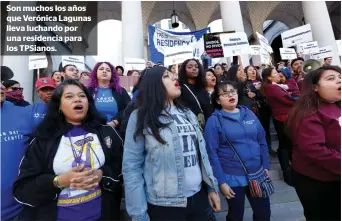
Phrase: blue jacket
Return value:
(154, 172)
(246, 135)
(14, 137)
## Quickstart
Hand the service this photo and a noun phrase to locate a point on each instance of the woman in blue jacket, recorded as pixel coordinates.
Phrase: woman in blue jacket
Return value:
(247, 136)
(166, 169)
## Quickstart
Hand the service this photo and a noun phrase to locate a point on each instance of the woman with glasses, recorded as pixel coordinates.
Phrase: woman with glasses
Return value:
(247, 136)
(71, 170)
(14, 93)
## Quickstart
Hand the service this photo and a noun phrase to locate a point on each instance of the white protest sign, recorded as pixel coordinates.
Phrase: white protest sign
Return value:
(308, 48)
(37, 61)
(338, 43)
(234, 44)
(264, 42)
(78, 61)
(324, 52)
(296, 36)
(287, 53)
(173, 56)
(134, 64)
(264, 56)
(255, 49)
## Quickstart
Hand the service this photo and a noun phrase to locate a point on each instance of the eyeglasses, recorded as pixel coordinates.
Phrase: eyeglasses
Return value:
(17, 88)
(228, 93)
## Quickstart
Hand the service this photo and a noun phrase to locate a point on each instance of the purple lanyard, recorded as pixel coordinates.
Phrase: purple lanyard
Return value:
(78, 158)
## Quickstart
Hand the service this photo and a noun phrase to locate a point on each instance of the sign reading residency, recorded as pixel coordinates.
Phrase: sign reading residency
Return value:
(296, 36)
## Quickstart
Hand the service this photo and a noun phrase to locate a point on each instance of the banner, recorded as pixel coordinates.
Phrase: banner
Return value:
(254, 49)
(161, 41)
(212, 44)
(287, 53)
(37, 61)
(134, 64)
(78, 61)
(235, 44)
(296, 36)
(324, 52)
(264, 42)
(338, 43)
(308, 48)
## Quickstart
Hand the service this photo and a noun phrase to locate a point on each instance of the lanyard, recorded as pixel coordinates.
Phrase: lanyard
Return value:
(77, 157)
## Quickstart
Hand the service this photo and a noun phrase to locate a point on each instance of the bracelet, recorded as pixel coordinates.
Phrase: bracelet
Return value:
(55, 182)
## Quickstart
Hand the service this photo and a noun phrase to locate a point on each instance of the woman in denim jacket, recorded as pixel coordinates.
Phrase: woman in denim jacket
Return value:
(166, 169)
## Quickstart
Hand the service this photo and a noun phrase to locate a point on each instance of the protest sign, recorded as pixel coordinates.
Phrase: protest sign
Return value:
(338, 43)
(176, 57)
(134, 64)
(265, 57)
(296, 36)
(212, 44)
(234, 44)
(37, 61)
(287, 53)
(78, 61)
(324, 52)
(308, 47)
(255, 49)
(264, 42)
(161, 41)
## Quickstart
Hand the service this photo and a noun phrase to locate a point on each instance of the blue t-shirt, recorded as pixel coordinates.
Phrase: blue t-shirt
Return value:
(16, 129)
(105, 103)
(85, 149)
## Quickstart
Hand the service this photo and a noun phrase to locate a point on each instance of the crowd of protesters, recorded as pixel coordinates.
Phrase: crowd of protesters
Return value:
(180, 137)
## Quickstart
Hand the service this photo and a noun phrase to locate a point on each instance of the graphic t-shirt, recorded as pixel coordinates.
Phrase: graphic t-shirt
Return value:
(105, 103)
(189, 143)
(78, 204)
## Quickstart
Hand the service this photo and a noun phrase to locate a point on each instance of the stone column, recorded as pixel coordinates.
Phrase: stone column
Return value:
(18, 63)
(132, 30)
(316, 14)
(232, 21)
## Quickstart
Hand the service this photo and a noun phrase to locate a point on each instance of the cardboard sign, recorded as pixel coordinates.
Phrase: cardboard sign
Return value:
(235, 44)
(324, 52)
(176, 57)
(264, 42)
(287, 53)
(134, 64)
(338, 43)
(37, 61)
(308, 48)
(264, 56)
(296, 36)
(255, 49)
(78, 61)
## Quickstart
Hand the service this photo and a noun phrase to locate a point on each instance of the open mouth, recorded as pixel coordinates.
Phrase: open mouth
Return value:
(339, 89)
(78, 107)
(231, 100)
(177, 84)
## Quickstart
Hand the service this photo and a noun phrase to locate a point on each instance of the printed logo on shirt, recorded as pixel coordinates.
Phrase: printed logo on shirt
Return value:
(105, 99)
(6, 136)
(108, 141)
(248, 121)
(188, 140)
(38, 115)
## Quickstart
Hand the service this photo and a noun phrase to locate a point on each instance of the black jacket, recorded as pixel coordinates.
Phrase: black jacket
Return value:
(244, 99)
(34, 186)
(122, 99)
(127, 113)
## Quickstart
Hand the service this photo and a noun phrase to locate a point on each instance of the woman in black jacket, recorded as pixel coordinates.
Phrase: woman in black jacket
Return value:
(110, 98)
(72, 169)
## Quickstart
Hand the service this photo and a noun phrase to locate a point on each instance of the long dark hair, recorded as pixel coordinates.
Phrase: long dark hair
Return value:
(200, 80)
(54, 123)
(142, 74)
(267, 72)
(258, 78)
(309, 100)
(151, 101)
(114, 80)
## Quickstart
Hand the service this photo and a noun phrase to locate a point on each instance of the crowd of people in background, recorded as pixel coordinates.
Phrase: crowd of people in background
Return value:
(171, 141)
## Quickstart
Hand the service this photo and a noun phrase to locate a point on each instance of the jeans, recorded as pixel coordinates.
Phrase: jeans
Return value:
(320, 200)
(236, 206)
(197, 209)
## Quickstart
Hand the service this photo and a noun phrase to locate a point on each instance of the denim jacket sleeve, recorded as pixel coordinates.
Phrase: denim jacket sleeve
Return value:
(132, 169)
